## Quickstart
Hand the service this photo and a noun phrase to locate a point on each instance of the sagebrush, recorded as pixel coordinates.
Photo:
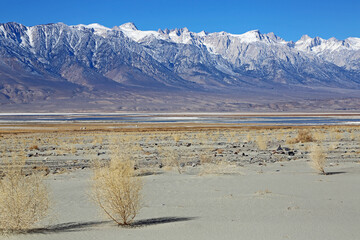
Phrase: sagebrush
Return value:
(303, 136)
(24, 198)
(318, 159)
(117, 190)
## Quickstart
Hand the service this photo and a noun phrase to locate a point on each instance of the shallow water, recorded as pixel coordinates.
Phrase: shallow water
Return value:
(156, 118)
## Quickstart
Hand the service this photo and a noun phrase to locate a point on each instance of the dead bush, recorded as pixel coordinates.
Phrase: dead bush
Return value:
(261, 141)
(219, 168)
(173, 159)
(204, 158)
(117, 191)
(318, 159)
(34, 147)
(24, 199)
(304, 135)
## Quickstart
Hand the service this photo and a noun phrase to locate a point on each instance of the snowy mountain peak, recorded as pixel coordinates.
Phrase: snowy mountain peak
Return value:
(98, 29)
(185, 29)
(355, 42)
(202, 33)
(94, 57)
(305, 38)
(128, 26)
(248, 37)
(253, 33)
(319, 45)
(317, 41)
(308, 44)
(272, 36)
(95, 26)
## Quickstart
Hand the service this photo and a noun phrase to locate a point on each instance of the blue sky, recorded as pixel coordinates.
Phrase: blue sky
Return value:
(287, 19)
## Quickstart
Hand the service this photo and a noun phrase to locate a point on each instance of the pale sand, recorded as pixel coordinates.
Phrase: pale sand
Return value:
(260, 202)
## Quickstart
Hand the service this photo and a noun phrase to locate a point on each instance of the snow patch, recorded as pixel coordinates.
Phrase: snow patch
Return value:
(129, 26)
(318, 45)
(99, 30)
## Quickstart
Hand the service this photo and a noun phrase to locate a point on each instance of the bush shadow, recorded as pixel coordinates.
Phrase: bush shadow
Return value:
(84, 226)
(334, 173)
(67, 227)
(157, 221)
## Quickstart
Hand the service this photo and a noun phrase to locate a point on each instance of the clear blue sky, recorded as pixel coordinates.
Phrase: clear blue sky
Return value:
(287, 19)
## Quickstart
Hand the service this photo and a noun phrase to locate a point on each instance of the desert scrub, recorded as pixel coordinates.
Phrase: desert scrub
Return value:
(117, 190)
(173, 158)
(303, 136)
(176, 137)
(248, 137)
(261, 141)
(24, 199)
(34, 147)
(319, 136)
(318, 159)
(219, 168)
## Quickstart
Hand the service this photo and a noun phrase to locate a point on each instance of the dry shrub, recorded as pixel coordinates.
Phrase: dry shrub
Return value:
(304, 135)
(73, 149)
(319, 136)
(177, 137)
(219, 168)
(261, 141)
(353, 135)
(248, 137)
(204, 158)
(219, 151)
(333, 146)
(318, 159)
(24, 199)
(172, 159)
(279, 136)
(232, 134)
(117, 190)
(34, 147)
(338, 136)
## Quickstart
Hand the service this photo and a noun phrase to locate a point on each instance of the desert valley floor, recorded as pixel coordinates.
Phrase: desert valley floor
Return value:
(200, 182)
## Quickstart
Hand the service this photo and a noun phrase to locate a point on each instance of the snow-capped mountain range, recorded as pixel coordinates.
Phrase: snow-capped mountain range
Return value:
(56, 60)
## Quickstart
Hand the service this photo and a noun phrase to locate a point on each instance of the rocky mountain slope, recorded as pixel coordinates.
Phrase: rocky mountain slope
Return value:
(55, 64)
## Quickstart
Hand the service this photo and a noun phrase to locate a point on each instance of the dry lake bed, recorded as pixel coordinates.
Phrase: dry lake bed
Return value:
(201, 181)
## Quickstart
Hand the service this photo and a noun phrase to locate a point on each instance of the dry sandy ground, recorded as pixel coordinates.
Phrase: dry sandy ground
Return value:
(68, 150)
(282, 200)
(250, 193)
